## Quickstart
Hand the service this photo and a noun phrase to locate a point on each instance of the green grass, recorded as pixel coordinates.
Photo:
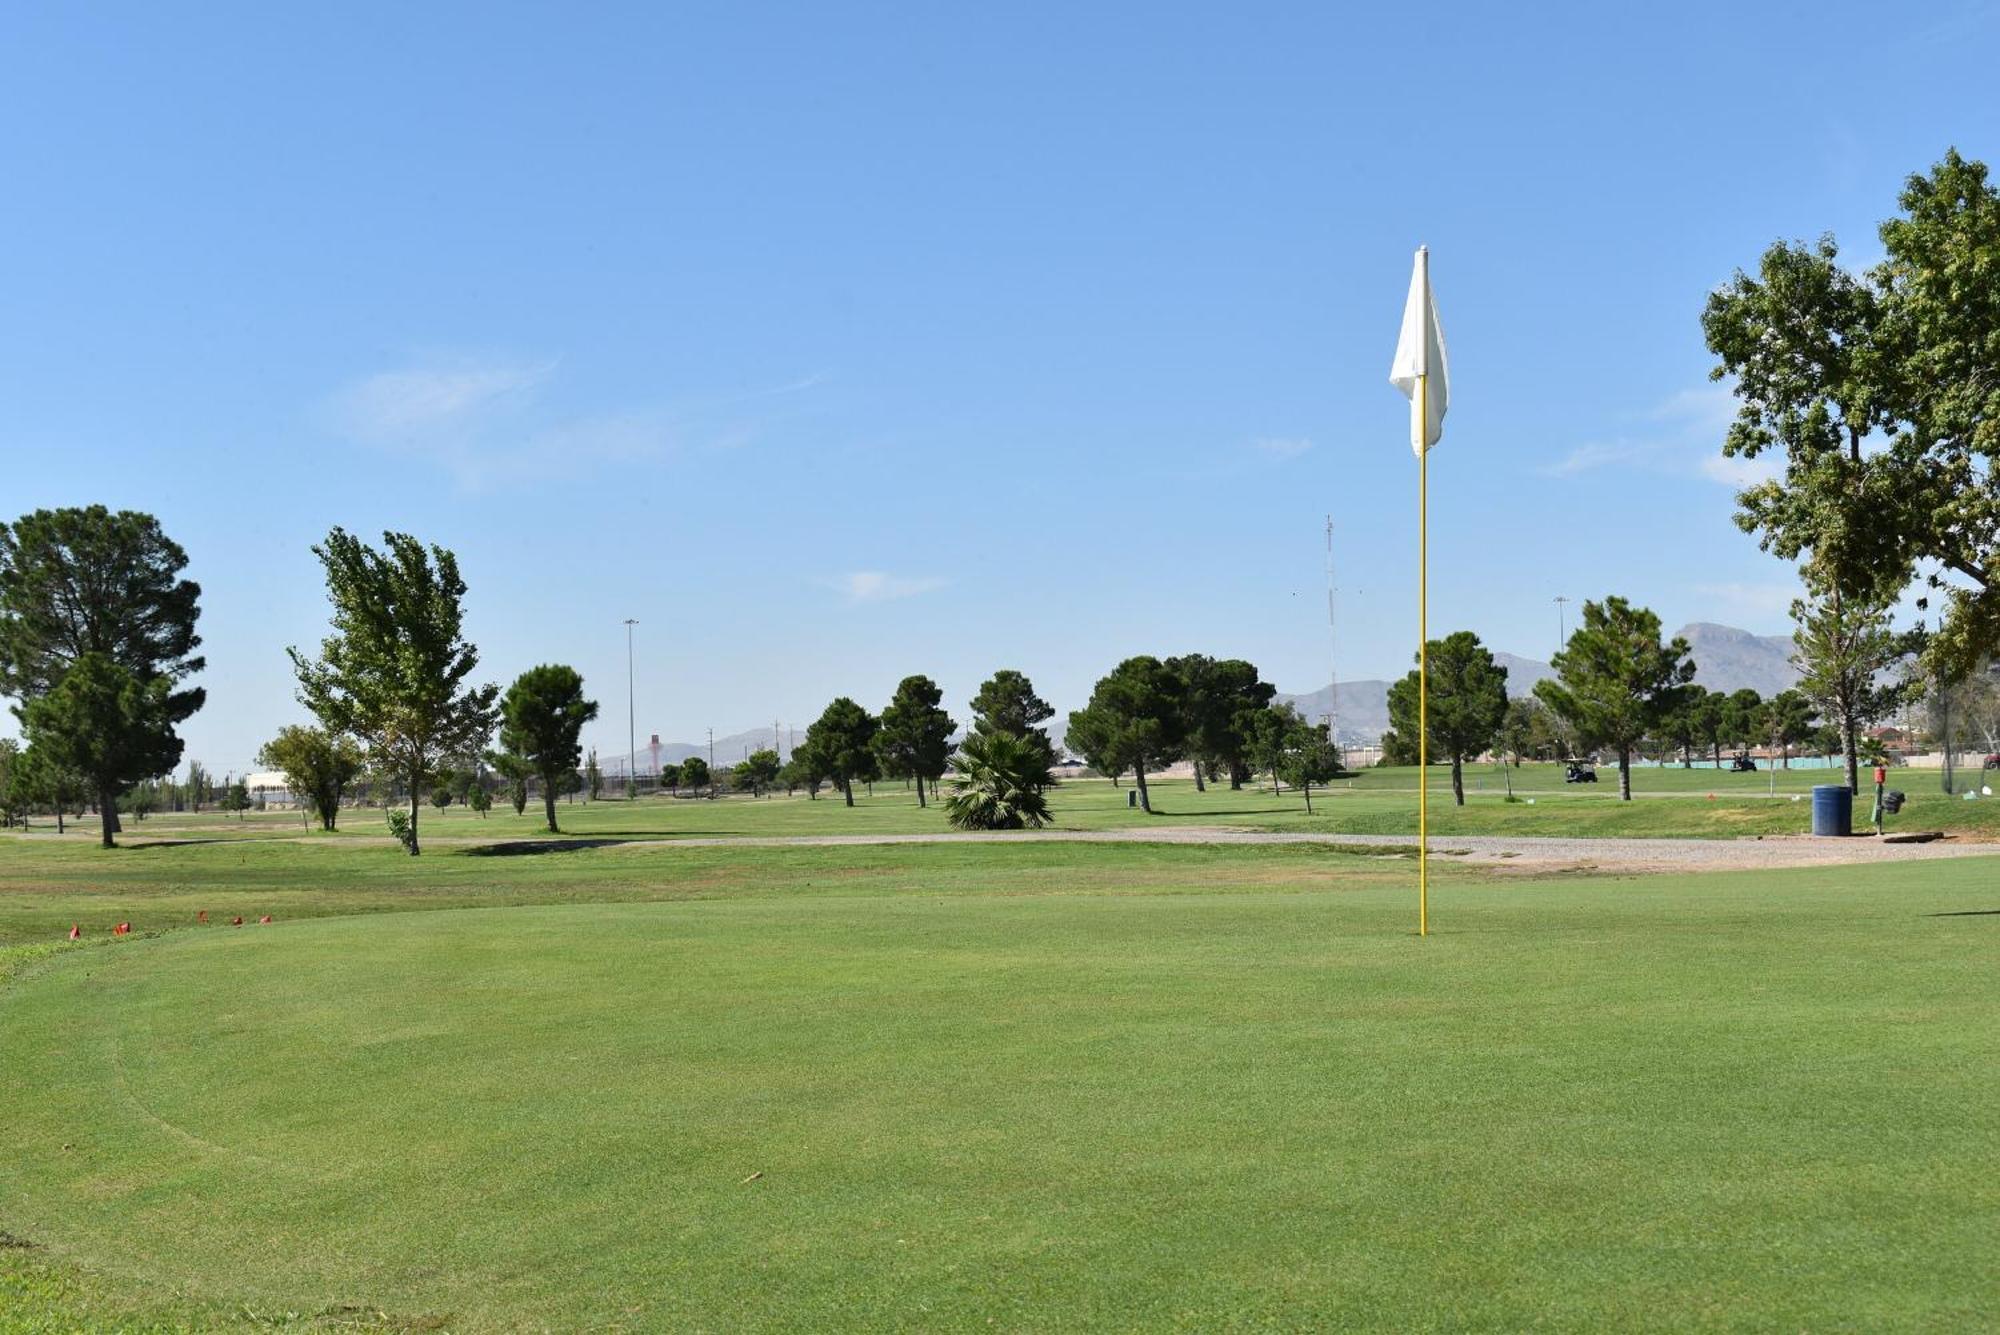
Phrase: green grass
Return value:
(1031, 1086)
(1669, 802)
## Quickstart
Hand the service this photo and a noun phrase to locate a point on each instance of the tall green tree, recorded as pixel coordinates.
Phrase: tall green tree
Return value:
(593, 778)
(915, 736)
(1006, 702)
(15, 796)
(50, 782)
(1682, 728)
(1135, 720)
(97, 595)
(515, 771)
(756, 772)
(200, 785)
(1843, 647)
(843, 740)
(694, 774)
(1220, 700)
(541, 720)
(1743, 719)
(1877, 392)
(1310, 758)
(1468, 703)
(1615, 679)
(102, 721)
(395, 670)
(317, 765)
(1273, 733)
(1516, 739)
(803, 770)
(1790, 718)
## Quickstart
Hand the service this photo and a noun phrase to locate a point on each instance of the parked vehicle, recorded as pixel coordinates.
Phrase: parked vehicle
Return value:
(1580, 771)
(1742, 764)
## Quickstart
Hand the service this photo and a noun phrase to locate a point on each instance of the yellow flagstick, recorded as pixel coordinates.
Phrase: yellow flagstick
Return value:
(1423, 660)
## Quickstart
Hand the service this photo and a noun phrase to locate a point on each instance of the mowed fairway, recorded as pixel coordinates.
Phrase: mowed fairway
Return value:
(1036, 1087)
(1699, 803)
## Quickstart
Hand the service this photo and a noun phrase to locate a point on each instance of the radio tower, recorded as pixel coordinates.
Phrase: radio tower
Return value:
(1332, 649)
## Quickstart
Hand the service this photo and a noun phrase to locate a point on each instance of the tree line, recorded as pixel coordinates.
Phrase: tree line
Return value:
(1619, 686)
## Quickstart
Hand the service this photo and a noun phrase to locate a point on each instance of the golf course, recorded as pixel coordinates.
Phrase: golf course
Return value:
(733, 670)
(616, 1083)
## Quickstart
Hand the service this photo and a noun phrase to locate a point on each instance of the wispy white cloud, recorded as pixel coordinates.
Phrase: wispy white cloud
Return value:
(495, 422)
(878, 586)
(1682, 436)
(1754, 599)
(1598, 454)
(1281, 448)
(392, 406)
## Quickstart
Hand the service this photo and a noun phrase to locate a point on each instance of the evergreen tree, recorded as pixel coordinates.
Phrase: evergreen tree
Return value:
(915, 734)
(1007, 703)
(1616, 681)
(1466, 706)
(843, 740)
(1136, 720)
(97, 633)
(542, 718)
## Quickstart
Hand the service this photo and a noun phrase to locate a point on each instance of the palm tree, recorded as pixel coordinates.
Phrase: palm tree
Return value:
(998, 785)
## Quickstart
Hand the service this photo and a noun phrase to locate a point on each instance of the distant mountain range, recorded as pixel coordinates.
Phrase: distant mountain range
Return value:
(1726, 659)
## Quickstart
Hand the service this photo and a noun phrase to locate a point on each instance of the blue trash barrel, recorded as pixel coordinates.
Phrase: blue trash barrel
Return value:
(1833, 809)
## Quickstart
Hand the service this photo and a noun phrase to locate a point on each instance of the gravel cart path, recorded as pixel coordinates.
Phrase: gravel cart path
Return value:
(1538, 852)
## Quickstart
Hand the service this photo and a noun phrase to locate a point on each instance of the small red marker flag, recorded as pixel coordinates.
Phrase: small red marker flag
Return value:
(202, 916)
(236, 921)
(265, 918)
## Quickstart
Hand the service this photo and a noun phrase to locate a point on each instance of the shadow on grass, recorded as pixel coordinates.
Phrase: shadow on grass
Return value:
(534, 847)
(176, 843)
(1967, 913)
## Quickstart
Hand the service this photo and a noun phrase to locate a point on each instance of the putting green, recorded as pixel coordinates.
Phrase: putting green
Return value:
(1689, 1102)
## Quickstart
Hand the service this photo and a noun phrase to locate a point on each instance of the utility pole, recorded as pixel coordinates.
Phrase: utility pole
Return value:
(631, 725)
(711, 750)
(1562, 625)
(1332, 650)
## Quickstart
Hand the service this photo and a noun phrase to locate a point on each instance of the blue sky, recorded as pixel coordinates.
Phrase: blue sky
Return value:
(836, 343)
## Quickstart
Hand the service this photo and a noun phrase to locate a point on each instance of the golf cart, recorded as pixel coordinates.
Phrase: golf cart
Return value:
(1743, 764)
(1580, 771)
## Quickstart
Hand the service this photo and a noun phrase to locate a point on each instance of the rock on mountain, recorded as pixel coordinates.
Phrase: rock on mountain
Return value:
(1728, 659)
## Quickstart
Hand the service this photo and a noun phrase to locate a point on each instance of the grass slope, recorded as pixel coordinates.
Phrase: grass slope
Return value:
(1092, 1087)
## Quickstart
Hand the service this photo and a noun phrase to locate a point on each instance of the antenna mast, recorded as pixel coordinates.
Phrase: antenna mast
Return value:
(1332, 648)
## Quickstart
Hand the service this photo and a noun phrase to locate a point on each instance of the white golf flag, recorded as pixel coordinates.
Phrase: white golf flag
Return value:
(1419, 354)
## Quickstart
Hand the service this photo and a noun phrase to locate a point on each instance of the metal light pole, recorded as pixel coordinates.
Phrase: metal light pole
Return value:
(1562, 626)
(631, 715)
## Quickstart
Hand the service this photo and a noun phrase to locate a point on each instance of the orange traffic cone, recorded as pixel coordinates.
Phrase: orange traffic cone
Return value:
(201, 916)
(122, 929)
(265, 918)
(76, 931)
(236, 921)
